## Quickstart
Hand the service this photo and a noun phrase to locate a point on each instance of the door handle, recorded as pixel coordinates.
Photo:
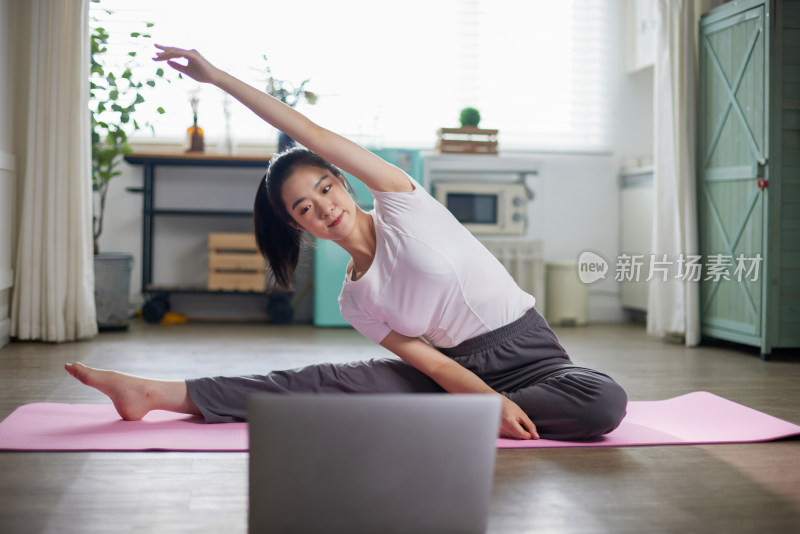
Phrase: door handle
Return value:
(761, 166)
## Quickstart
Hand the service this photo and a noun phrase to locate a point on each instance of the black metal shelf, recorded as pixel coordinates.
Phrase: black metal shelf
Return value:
(149, 164)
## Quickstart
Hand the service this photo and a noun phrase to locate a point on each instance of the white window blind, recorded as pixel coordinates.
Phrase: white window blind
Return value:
(392, 73)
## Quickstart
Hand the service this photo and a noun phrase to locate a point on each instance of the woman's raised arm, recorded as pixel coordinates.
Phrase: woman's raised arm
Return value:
(345, 154)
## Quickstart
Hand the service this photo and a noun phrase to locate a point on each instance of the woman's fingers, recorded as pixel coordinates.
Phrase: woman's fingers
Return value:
(511, 427)
(529, 426)
(521, 432)
(169, 51)
(514, 430)
(516, 423)
(195, 66)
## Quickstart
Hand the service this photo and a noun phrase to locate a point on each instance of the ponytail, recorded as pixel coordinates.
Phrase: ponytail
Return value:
(277, 241)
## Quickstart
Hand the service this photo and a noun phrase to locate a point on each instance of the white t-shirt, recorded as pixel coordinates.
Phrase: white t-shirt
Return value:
(430, 277)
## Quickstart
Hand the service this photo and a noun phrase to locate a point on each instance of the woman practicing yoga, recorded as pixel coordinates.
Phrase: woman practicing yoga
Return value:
(418, 283)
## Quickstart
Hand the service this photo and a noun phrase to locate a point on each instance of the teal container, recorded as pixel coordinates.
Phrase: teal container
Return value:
(330, 261)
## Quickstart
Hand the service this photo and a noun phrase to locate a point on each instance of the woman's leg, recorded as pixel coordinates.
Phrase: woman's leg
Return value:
(224, 399)
(573, 404)
(134, 396)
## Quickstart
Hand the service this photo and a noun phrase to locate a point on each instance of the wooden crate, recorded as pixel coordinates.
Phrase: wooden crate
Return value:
(466, 141)
(234, 263)
(232, 241)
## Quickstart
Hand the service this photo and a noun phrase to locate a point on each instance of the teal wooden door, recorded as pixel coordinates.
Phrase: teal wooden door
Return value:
(732, 158)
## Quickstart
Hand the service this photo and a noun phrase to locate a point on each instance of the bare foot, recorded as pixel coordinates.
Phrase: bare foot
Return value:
(132, 396)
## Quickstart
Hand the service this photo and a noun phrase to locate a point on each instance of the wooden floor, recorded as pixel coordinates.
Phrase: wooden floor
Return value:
(682, 489)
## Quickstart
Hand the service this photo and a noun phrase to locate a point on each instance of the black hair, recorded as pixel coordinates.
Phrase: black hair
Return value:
(277, 239)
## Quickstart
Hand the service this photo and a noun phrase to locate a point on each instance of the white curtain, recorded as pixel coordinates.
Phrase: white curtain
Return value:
(674, 305)
(54, 277)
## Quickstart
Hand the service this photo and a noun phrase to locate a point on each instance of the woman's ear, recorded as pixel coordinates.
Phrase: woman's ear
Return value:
(294, 225)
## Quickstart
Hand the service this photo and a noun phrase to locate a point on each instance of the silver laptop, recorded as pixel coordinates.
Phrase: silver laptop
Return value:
(371, 463)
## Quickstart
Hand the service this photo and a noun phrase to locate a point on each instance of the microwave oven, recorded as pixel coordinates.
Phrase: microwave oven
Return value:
(486, 208)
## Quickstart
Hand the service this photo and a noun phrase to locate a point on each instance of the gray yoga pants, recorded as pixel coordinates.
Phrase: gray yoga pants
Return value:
(523, 361)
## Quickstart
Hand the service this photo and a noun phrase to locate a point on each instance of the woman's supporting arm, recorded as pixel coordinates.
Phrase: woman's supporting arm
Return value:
(514, 423)
(345, 154)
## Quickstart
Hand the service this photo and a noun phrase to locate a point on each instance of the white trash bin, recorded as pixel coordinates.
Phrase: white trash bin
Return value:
(567, 296)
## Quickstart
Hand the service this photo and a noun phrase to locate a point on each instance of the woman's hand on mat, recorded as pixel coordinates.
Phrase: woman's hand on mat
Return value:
(196, 67)
(514, 423)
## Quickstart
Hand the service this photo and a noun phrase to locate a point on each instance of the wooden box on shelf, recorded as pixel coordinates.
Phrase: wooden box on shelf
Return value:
(466, 140)
(234, 263)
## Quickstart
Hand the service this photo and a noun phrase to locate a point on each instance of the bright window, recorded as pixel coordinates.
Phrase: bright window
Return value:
(391, 74)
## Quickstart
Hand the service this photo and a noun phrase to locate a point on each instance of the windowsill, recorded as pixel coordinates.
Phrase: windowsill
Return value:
(256, 148)
(172, 146)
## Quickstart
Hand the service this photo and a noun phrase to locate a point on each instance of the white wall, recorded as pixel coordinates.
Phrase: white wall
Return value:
(576, 209)
(577, 206)
(7, 173)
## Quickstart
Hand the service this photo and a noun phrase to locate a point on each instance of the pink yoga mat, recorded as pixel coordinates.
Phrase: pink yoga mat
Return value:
(690, 419)
(98, 427)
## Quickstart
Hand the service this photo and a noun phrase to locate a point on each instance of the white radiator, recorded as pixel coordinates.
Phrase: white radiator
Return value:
(524, 261)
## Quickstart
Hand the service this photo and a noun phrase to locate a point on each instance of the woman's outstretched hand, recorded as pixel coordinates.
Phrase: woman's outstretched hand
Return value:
(196, 66)
(514, 423)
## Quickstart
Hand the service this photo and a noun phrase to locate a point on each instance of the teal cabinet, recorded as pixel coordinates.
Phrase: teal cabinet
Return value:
(748, 158)
(330, 261)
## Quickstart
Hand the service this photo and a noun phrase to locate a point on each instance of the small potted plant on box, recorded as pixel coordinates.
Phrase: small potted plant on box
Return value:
(470, 118)
(115, 92)
(468, 139)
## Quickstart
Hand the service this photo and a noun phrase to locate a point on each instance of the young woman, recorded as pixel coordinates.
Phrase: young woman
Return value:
(418, 283)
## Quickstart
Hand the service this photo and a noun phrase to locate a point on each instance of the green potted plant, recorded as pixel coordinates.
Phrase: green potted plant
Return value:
(115, 92)
(470, 118)
(289, 94)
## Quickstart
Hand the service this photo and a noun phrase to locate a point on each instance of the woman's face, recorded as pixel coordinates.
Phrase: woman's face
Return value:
(318, 202)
